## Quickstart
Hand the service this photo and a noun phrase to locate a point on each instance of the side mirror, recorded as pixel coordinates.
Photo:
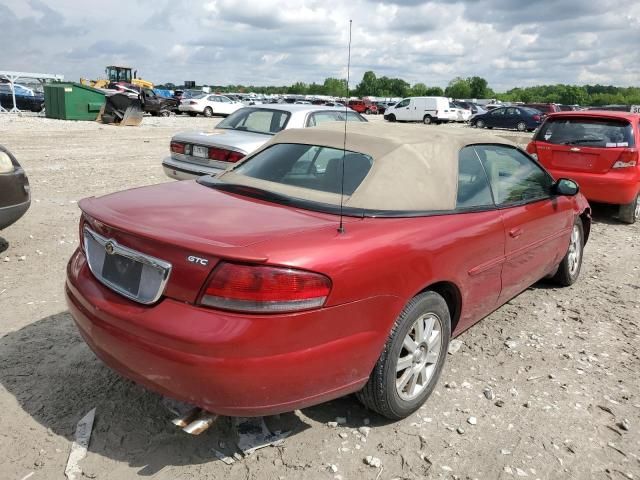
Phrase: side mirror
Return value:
(566, 187)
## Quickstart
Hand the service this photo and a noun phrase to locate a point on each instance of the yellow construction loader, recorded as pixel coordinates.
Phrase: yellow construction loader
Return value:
(120, 75)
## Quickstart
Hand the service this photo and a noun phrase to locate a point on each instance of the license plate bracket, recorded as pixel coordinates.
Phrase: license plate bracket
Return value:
(202, 152)
(122, 272)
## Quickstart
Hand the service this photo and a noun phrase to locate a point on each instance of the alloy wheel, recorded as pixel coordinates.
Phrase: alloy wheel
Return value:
(480, 124)
(419, 356)
(575, 251)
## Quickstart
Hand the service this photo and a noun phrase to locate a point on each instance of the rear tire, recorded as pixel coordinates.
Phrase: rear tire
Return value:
(208, 112)
(392, 118)
(630, 212)
(192, 114)
(427, 120)
(415, 351)
(480, 124)
(569, 269)
(521, 127)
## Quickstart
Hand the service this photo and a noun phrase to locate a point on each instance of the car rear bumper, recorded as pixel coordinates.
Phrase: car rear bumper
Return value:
(229, 364)
(181, 170)
(618, 188)
(12, 213)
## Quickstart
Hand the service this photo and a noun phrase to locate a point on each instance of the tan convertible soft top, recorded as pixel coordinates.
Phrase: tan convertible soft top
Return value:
(415, 168)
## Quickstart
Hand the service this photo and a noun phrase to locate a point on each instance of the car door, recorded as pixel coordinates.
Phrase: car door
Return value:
(511, 117)
(537, 224)
(484, 240)
(495, 118)
(226, 106)
(401, 110)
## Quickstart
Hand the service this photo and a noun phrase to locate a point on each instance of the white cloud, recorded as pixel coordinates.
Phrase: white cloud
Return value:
(510, 43)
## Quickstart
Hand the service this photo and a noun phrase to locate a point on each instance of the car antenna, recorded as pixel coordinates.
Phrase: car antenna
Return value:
(344, 142)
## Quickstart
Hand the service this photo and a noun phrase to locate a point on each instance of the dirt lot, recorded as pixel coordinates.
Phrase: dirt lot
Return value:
(562, 363)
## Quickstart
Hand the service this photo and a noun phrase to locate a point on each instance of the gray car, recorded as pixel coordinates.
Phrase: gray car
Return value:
(207, 153)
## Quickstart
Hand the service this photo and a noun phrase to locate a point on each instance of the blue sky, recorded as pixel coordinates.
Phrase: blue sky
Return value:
(510, 43)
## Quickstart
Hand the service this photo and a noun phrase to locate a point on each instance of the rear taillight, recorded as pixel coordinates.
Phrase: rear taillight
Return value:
(264, 289)
(532, 150)
(628, 158)
(224, 155)
(536, 117)
(193, 102)
(176, 147)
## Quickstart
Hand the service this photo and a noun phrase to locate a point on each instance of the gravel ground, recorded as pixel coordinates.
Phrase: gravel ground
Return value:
(546, 387)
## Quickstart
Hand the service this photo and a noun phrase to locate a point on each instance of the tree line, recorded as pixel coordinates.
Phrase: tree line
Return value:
(459, 88)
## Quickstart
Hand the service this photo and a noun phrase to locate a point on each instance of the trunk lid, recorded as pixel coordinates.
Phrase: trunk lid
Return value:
(192, 226)
(238, 140)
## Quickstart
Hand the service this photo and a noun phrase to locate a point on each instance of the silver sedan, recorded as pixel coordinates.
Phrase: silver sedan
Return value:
(207, 153)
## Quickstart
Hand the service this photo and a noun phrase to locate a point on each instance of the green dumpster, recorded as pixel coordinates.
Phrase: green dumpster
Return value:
(72, 101)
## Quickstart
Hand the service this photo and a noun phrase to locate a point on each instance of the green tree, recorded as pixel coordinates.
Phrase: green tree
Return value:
(458, 88)
(434, 92)
(298, 88)
(335, 87)
(479, 87)
(369, 86)
(418, 90)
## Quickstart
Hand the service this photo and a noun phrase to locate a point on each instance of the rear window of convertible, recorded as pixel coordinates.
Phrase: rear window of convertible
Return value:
(308, 166)
(592, 132)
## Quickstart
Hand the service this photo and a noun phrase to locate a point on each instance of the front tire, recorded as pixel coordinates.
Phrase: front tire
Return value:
(480, 124)
(392, 118)
(630, 212)
(569, 269)
(412, 360)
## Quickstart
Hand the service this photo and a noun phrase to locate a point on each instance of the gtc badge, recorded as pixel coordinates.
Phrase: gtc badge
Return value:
(197, 260)
(109, 247)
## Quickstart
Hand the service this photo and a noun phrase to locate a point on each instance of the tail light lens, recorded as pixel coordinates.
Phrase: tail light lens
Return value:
(628, 158)
(224, 155)
(532, 150)
(193, 102)
(536, 117)
(177, 147)
(265, 289)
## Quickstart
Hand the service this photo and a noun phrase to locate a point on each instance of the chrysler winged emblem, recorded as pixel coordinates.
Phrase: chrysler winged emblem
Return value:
(109, 247)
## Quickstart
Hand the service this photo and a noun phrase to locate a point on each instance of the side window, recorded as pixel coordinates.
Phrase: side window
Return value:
(473, 185)
(403, 103)
(224, 100)
(512, 111)
(498, 112)
(513, 176)
(322, 117)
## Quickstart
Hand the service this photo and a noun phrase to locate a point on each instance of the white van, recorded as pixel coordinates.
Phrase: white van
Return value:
(422, 109)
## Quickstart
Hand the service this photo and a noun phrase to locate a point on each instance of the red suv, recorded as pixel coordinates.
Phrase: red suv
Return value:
(598, 149)
(361, 106)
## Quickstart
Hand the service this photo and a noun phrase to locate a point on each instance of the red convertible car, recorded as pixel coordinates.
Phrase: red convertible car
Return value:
(250, 294)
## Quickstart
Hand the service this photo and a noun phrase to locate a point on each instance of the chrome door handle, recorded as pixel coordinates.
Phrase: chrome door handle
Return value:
(515, 232)
(574, 149)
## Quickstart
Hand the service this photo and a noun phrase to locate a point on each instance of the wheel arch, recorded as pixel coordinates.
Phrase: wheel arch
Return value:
(585, 218)
(452, 296)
